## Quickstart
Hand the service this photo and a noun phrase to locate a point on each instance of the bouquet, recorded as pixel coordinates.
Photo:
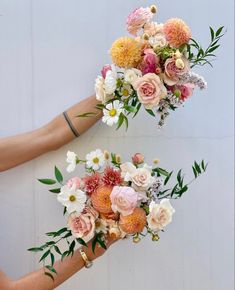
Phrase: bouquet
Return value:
(130, 199)
(152, 69)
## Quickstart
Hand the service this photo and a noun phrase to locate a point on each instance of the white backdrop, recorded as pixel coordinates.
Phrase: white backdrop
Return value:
(50, 53)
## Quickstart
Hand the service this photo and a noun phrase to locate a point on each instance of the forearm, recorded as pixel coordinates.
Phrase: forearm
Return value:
(39, 281)
(24, 147)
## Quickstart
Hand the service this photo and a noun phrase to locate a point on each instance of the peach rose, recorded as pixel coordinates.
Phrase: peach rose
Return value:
(160, 215)
(150, 90)
(142, 178)
(82, 225)
(124, 199)
(174, 67)
(77, 181)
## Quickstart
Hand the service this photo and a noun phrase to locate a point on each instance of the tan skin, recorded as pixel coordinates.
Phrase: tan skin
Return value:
(24, 147)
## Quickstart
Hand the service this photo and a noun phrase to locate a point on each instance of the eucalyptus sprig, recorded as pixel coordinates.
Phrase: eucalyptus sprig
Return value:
(200, 56)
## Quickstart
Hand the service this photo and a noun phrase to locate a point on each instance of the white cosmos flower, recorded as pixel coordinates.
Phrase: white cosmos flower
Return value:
(130, 75)
(101, 226)
(95, 159)
(73, 199)
(112, 112)
(72, 160)
(110, 82)
(126, 91)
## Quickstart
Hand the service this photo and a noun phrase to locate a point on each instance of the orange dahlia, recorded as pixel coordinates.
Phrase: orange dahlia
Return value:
(101, 199)
(177, 32)
(133, 223)
(126, 52)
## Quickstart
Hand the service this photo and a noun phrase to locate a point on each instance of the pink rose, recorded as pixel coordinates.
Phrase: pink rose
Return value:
(137, 19)
(75, 181)
(186, 90)
(149, 62)
(82, 225)
(174, 68)
(123, 199)
(138, 158)
(105, 69)
(150, 90)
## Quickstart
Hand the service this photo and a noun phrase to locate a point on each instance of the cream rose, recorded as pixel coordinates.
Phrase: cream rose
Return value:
(150, 90)
(160, 215)
(100, 92)
(142, 178)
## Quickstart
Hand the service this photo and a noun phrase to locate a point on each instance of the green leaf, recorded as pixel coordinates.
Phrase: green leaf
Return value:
(50, 243)
(182, 190)
(94, 242)
(61, 231)
(65, 210)
(58, 175)
(168, 178)
(57, 250)
(50, 268)
(197, 167)
(47, 181)
(81, 242)
(35, 250)
(71, 247)
(49, 275)
(67, 235)
(52, 259)
(126, 122)
(137, 110)
(212, 33)
(194, 172)
(45, 255)
(101, 242)
(150, 112)
(55, 190)
(219, 31)
(130, 109)
(213, 48)
(120, 120)
(64, 255)
(161, 171)
(85, 115)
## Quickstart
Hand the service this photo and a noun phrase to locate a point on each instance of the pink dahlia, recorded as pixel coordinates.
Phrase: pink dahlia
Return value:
(112, 177)
(177, 32)
(137, 19)
(92, 182)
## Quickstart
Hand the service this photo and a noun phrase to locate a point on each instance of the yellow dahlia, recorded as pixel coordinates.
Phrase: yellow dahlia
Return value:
(133, 223)
(101, 199)
(126, 52)
(177, 32)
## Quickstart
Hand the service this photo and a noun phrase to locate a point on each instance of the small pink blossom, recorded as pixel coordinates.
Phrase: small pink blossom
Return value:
(105, 69)
(138, 158)
(124, 199)
(137, 19)
(186, 90)
(149, 62)
(77, 181)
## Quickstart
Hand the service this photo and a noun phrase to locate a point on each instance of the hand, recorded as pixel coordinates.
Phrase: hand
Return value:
(99, 251)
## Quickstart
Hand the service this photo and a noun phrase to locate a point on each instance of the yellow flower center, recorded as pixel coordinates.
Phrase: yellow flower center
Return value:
(72, 198)
(96, 160)
(125, 93)
(112, 112)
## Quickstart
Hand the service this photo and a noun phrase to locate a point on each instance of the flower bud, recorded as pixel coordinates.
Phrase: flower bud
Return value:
(158, 70)
(153, 9)
(177, 54)
(179, 63)
(177, 93)
(156, 161)
(138, 158)
(106, 154)
(145, 36)
(136, 239)
(118, 159)
(155, 237)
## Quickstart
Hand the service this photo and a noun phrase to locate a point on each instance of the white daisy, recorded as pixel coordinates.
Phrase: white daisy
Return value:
(126, 91)
(73, 199)
(101, 226)
(95, 159)
(112, 112)
(72, 160)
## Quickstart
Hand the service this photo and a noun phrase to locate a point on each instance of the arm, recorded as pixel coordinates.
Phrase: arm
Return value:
(39, 281)
(24, 147)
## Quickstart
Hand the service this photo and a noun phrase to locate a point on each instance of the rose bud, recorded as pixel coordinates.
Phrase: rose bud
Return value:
(138, 158)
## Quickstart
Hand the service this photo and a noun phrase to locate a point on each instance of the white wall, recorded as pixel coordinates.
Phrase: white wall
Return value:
(50, 53)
